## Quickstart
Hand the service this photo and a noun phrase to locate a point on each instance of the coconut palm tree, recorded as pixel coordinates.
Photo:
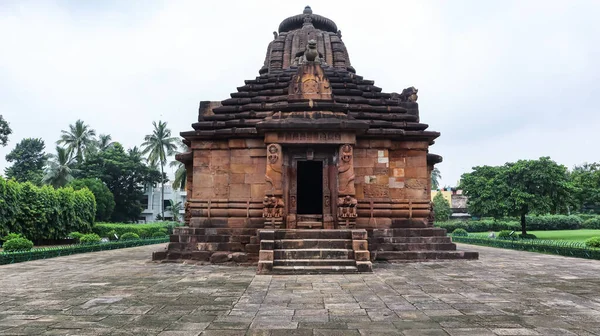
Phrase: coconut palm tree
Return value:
(158, 146)
(79, 140)
(436, 176)
(180, 172)
(104, 142)
(58, 171)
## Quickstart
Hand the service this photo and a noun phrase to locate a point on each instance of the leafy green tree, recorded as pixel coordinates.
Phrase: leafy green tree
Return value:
(586, 180)
(441, 208)
(517, 189)
(125, 175)
(28, 159)
(436, 176)
(59, 170)
(79, 140)
(158, 146)
(5, 131)
(105, 201)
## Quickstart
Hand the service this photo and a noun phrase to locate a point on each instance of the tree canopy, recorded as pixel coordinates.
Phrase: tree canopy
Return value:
(517, 189)
(28, 160)
(436, 176)
(586, 180)
(105, 201)
(124, 175)
(5, 131)
(59, 170)
(441, 207)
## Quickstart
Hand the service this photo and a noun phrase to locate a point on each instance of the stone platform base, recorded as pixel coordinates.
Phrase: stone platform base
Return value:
(414, 245)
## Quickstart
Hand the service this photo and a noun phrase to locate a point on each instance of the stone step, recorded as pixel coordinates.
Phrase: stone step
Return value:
(314, 262)
(312, 234)
(422, 255)
(313, 243)
(410, 240)
(313, 254)
(313, 269)
(414, 232)
(309, 224)
(416, 247)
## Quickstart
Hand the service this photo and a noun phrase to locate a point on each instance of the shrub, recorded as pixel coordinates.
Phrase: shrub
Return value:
(11, 236)
(159, 234)
(460, 232)
(90, 238)
(593, 242)
(553, 222)
(130, 236)
(592, 223)
(76, 235)
(103, 229)
(105, 201)
(527, 236)
(505, 234)
(145, 233)
(40, 213)
(17, 244)
(112, 235)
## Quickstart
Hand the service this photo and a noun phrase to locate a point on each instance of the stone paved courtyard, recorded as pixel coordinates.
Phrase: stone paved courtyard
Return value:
(122, 293)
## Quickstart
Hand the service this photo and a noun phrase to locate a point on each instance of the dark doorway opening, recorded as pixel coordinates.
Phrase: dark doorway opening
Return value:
(310, 187)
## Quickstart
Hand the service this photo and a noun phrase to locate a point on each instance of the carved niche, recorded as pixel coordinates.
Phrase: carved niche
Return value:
(346, 191)
(310, 82)
(273, 204)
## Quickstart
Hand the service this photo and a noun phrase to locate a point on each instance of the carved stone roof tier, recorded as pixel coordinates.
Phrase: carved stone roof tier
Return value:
(307, 83)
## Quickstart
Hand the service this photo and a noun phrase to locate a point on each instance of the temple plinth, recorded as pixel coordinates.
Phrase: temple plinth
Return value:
(310, 168)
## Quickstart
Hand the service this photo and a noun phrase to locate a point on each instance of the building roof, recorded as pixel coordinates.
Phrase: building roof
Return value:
(348, 102)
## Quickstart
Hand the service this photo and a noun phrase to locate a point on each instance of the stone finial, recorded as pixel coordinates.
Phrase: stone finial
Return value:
(311, 54)
(275, 35)
(339, 33)
(307, 10)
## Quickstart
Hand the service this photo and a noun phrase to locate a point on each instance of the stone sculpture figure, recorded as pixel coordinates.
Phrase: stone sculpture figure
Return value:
(311, 54)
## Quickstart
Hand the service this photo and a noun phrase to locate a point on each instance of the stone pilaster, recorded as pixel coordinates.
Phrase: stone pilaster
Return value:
(346, 211)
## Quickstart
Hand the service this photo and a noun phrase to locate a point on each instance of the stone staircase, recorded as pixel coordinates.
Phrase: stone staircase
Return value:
(316, 251)
(414, 244)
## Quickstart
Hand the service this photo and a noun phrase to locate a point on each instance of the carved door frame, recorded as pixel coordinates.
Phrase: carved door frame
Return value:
(328, 157)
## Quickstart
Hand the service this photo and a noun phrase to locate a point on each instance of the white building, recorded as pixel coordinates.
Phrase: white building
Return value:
(152, 206)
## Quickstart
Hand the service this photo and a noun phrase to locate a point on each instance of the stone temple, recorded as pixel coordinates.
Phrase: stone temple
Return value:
(309, 167)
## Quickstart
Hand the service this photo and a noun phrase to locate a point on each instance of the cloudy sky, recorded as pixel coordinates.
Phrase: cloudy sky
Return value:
(501, 80)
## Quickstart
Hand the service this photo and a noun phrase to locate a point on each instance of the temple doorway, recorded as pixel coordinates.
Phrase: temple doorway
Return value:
(310, 187)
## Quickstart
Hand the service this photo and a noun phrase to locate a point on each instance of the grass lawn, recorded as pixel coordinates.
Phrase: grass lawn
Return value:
(573, 235)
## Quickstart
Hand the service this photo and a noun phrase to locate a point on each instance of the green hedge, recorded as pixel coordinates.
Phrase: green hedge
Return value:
(537, 223)
(45, 253)
(591, 223)
(44, 212)
(142, 230)
(563, 248)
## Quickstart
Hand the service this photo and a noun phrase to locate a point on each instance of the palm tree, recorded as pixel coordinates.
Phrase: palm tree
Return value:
(79, 139)
(58, 171)
(175, 208)
(436, 176)
(104, 142)
(180, 173)
(158, 146)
